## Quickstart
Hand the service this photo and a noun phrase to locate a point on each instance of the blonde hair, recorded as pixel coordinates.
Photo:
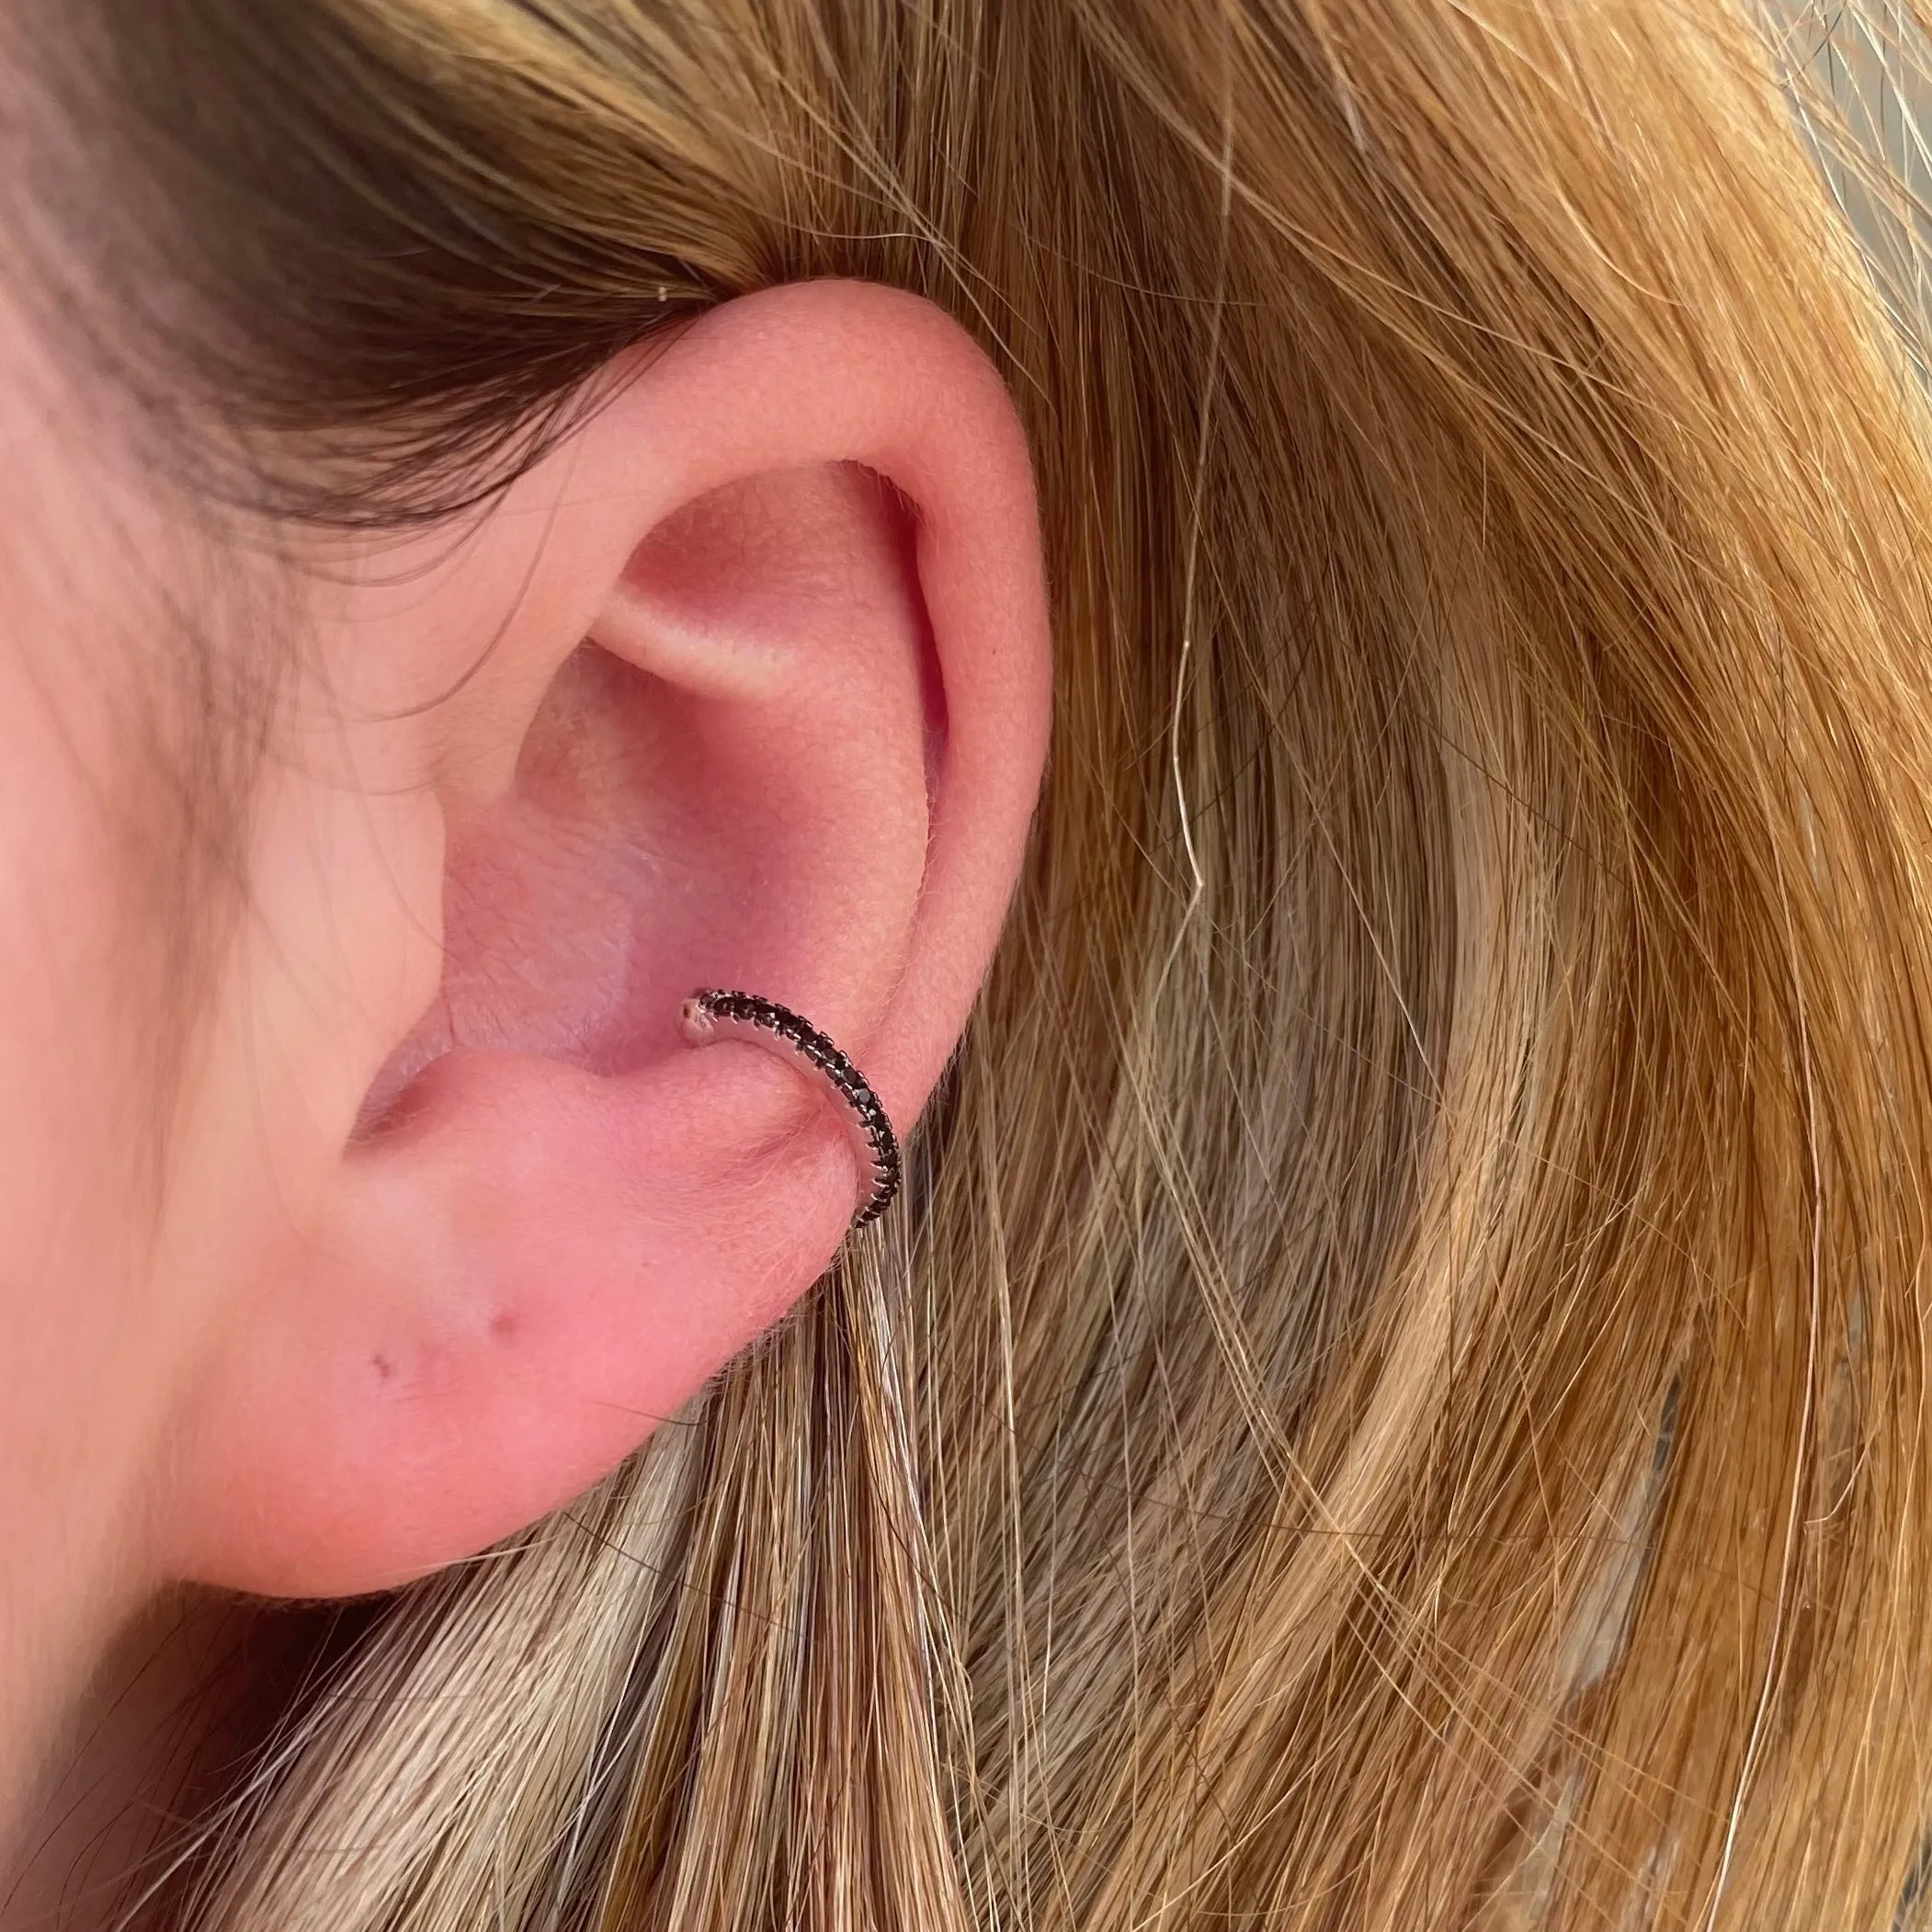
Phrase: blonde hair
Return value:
(1397, 1397)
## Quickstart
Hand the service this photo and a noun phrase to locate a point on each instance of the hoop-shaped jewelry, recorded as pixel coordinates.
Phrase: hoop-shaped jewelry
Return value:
(712, 1015)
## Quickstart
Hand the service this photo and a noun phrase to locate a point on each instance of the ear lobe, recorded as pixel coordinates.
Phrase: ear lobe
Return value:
(798, 753)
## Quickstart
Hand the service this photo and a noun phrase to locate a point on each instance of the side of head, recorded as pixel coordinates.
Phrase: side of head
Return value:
(745, 681)
(1394, 1380)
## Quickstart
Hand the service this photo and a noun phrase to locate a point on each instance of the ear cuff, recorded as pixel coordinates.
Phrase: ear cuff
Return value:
(711, 1015)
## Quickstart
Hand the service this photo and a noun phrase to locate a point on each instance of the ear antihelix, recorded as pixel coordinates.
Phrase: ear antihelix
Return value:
(713, 1015)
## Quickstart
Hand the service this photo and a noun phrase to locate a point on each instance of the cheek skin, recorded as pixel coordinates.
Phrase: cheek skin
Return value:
(68, 981)
(89, 1350)
(118, 1276)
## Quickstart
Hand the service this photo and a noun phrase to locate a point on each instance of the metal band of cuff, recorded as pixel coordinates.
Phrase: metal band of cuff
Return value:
(714, 1015)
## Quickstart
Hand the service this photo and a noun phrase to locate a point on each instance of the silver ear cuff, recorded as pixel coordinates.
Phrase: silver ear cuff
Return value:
(711, 1015)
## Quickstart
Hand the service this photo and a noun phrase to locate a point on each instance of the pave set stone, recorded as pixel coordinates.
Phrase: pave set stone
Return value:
(715, 1014)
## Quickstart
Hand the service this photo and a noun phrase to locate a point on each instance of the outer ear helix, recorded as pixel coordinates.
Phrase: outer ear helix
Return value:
(711, 1016)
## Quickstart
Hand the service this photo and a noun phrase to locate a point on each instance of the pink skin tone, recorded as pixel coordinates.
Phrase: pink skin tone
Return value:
(453, 1215)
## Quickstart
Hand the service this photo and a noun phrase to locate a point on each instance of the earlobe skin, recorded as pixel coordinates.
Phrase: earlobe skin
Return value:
(797, 752)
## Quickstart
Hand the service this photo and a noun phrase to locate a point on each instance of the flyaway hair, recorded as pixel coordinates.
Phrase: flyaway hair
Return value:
(1395, 1396)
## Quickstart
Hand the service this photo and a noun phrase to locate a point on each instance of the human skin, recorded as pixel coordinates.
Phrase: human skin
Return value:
(446, 1215)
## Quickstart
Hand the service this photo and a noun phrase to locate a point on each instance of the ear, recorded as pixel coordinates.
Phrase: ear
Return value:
(747, 686)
